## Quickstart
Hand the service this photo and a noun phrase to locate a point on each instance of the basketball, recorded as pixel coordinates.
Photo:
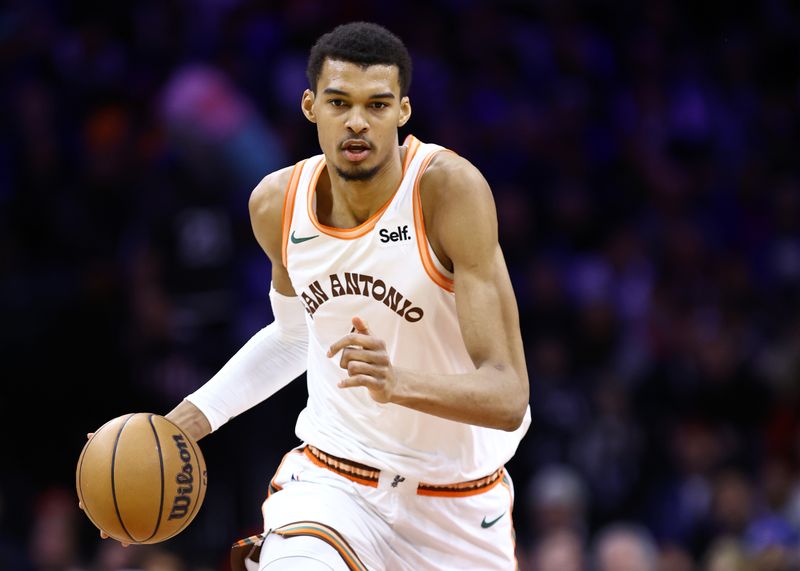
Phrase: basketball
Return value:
(141, 479)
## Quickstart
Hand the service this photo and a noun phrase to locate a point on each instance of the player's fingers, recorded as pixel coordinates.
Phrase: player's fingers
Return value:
(89, 435)
(361, 368)
(376, 357)
(347, 356)
(104, 535)
(357, 340)
(358, 381)
(346, 341)
(361, 326)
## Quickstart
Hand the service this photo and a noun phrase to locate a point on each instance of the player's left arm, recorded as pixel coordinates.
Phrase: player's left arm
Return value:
(461, 222)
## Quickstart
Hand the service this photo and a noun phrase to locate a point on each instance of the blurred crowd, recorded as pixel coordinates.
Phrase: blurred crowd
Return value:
(643, 157)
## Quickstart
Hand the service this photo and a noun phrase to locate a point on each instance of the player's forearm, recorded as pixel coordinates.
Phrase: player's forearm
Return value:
(493, 396)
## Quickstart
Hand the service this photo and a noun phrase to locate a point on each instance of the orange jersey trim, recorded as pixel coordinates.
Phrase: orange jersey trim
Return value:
(327, 534)
(413, 145)
(251, 540)
(365, 481)
(433, 272)
(368, 476)
(288, 208)
(369, 223)
(463, 489)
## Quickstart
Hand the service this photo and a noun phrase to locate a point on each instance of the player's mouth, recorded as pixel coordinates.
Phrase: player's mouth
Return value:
(356, 150)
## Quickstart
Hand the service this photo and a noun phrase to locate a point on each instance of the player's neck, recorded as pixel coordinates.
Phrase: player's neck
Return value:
(348, 203)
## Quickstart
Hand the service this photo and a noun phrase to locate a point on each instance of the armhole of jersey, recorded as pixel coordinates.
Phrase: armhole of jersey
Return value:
(288, 208)
(428, 263)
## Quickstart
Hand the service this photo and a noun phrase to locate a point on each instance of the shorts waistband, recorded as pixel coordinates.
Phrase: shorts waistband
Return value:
(369, 476)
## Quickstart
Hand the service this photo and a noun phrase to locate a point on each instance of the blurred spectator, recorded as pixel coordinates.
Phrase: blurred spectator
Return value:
(624, 547)
(558, 550)
(213, 125)
(675, 558)
(162, 560)
(792, 509)
(608, 452)
(681, 499)
(111, 556)
(772, 544)
(725, 554)
(733, 504)
(54, 539)
(12, 554)
(556, 500)
(560, 406)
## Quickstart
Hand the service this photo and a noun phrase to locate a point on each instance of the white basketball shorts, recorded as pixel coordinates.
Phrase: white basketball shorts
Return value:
(378, 521)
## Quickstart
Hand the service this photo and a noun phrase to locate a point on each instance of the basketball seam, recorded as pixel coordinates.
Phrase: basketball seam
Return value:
(113, 485)
(161, 463)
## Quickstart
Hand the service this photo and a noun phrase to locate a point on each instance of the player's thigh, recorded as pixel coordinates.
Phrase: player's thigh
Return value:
(315, 502)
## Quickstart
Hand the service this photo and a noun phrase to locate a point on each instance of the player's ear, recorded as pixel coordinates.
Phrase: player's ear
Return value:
(307, 105)
(405, 111)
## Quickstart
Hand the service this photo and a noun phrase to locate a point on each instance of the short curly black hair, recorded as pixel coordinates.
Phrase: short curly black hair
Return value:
(362, 43)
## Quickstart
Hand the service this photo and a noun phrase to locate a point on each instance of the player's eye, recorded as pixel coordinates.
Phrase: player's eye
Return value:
(337, 102)
(379, 105)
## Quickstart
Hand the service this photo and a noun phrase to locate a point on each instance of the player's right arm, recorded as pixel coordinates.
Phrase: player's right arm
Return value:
(266, 217)
(274, 356)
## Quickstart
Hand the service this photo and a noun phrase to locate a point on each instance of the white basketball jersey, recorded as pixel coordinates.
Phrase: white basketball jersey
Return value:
(385, 272)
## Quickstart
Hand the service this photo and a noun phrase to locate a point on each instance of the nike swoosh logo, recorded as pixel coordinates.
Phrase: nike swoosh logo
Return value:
(485, 524)
(301, 240)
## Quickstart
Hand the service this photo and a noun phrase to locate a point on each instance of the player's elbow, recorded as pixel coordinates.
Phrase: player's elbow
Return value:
(514, 416)
(516, 406)
(510, 403)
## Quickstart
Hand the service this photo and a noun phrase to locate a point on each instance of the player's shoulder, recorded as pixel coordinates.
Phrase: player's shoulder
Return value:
(458, 207)
(268, 195)
(266, 210)
(451, 177)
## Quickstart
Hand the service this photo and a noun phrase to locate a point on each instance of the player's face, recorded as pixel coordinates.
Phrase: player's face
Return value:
(357, 111)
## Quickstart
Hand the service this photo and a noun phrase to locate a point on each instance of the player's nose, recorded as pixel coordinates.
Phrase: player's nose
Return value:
(356, 121)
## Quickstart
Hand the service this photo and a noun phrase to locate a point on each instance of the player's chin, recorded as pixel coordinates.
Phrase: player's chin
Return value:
(359, 173)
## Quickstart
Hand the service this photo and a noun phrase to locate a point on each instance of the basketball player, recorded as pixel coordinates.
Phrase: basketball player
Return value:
(389, 288)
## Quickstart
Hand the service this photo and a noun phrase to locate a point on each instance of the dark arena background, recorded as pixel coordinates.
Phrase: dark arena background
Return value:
(644, 161)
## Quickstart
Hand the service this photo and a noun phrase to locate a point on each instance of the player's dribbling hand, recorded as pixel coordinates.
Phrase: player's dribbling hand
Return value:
(103, 534)
(366, 360)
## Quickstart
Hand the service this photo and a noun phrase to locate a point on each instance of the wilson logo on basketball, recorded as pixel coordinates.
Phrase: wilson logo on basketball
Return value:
(184, 479)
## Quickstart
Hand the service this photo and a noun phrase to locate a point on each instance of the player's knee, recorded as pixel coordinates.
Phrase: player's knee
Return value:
(302, 553)
(296, 563)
